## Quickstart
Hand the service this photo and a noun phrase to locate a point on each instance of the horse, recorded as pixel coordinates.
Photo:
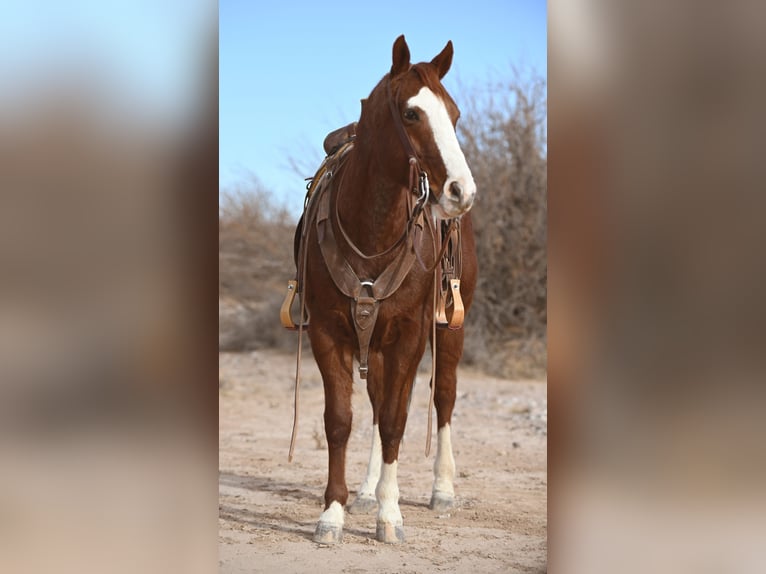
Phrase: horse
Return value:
(381, 220)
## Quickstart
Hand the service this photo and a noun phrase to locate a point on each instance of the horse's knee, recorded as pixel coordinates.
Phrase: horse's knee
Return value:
(337, 430)
(391, 424)
(446, 389)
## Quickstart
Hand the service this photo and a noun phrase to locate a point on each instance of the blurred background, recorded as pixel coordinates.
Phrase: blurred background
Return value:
(108, 143)
(656, 282)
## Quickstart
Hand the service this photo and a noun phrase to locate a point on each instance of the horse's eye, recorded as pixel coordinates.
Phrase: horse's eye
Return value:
(411, 115)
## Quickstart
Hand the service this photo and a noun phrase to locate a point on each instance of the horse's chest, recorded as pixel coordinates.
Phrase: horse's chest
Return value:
(394, 324)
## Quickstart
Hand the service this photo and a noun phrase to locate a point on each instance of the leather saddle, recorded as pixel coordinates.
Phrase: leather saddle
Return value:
(335, 139)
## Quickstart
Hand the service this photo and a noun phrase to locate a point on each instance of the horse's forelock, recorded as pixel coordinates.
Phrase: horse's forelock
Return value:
(424, 71)
(430, 78)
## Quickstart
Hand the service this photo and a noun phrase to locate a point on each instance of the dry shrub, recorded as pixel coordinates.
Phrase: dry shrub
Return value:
(255, 242)
(502, 132)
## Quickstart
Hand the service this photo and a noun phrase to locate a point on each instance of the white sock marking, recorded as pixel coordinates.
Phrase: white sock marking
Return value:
(367, 490)
(333, 514)
(388, 496)
(444, 465)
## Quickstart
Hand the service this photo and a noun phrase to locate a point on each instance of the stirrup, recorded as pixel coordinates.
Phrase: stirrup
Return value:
(458, 310)
(284, 313)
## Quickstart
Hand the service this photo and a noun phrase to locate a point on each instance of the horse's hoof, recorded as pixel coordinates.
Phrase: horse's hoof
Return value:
(441, 502)
(389, 533)
(363, 505)
(328, 533)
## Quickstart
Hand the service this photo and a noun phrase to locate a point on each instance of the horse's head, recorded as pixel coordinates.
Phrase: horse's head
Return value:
(428, 115)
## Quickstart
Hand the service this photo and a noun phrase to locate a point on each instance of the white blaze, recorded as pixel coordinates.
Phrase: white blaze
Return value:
(446, 142)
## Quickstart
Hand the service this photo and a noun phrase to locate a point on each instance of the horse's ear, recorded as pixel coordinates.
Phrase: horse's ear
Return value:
(401, 57)
(444, 60)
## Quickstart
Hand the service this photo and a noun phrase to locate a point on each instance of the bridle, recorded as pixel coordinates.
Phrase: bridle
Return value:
(418, 186)
(416, 172)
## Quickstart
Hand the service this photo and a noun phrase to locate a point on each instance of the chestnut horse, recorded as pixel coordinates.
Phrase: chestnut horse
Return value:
(378, 222)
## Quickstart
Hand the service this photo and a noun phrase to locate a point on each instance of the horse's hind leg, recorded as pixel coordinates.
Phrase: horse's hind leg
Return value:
(365, 501)
(449, 349)
(335, 364)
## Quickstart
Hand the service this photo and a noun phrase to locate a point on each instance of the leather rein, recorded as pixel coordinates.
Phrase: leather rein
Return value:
(418, 185)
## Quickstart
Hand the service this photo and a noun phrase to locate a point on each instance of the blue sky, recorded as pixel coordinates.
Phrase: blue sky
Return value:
(148, 51)
(291, 72)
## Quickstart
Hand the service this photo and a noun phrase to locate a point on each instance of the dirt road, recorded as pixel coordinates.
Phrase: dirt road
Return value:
(269, 507)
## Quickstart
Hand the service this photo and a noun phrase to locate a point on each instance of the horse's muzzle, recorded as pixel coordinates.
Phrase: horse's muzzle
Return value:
(457, 197)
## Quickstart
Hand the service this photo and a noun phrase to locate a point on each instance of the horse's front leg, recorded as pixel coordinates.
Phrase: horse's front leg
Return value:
(366, 501)
(401, 366)
(449, 349)
(335, 363)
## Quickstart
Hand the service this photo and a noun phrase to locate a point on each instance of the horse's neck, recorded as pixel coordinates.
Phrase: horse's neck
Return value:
(373, 203)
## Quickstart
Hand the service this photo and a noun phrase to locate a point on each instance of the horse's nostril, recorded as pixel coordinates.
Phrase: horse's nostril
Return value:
(455, 190)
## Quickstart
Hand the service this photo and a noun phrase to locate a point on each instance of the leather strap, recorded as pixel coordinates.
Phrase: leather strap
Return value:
(344, 276)
(309, 209)
(364, 310)
(448, 278)
(406, 142)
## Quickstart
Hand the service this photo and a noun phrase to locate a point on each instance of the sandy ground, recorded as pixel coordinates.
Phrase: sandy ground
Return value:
(269, 507)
